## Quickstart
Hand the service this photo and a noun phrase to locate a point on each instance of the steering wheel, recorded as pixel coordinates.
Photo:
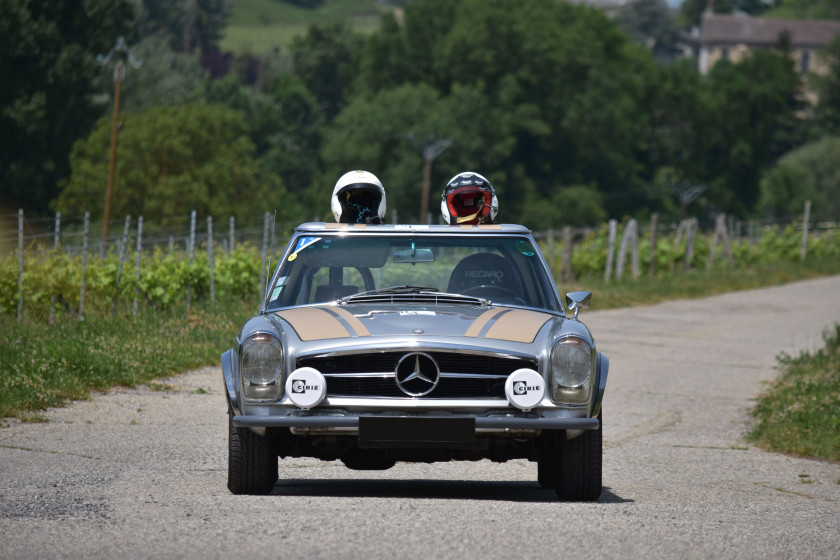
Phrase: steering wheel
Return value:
(498, 290)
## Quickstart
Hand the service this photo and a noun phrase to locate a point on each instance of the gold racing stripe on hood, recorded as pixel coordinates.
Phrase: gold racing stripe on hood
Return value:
(312, 323)
(482, 320)
(519, 325)
(351, 320)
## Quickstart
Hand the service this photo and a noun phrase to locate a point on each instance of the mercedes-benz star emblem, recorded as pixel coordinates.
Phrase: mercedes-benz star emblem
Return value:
(417, 374)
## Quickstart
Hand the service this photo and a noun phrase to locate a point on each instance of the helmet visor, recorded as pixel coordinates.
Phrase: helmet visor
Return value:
(360, 203)
(469, 204)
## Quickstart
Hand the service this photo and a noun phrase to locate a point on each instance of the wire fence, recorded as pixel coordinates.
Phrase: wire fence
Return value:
(613, 249)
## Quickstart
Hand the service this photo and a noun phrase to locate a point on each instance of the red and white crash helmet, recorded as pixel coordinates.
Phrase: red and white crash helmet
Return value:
(469, 198)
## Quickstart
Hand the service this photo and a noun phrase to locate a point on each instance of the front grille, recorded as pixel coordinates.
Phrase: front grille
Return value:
(481, 376)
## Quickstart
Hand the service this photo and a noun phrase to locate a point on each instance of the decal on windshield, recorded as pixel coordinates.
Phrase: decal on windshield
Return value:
(302, 244)
(305, 242)
(525, 248)
(278, 288)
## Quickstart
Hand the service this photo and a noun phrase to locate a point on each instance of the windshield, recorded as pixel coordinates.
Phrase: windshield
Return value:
(503, 270)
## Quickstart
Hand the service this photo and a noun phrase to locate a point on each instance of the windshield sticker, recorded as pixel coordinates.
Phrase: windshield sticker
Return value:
(302, 244)
(278, 288)
(305, 242)
(525, 248)
(431, 313)
(275, 293)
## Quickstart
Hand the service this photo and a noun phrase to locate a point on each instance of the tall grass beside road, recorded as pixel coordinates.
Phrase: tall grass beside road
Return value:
(800, 412)
(44, 365)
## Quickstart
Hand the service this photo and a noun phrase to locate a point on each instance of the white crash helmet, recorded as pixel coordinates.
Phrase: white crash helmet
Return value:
(468, 198)
(359, 198)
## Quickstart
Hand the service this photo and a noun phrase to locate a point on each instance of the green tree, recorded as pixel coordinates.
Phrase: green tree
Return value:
(828, 90)
(285, 123)
(751, 121)
(326, 59)
(565, 84)
(47, 65)
(691, 11)
(386, 134)
(653, 24)
(188, 24)
(810, 172)
(164, 78)
(373, 134)
(805, 9)
(172, 160)
(293, 143)
(577, 206)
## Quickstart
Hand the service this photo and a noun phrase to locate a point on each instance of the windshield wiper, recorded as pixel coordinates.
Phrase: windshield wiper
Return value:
(398, 290)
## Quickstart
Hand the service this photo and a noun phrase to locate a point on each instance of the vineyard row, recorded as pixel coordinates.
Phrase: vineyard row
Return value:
(41, 278)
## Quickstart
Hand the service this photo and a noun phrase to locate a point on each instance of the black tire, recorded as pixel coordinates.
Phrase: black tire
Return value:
(579, 466)
(547, 471)
(252, 461)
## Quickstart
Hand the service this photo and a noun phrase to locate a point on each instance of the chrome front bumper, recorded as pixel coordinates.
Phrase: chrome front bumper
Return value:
(352, 421)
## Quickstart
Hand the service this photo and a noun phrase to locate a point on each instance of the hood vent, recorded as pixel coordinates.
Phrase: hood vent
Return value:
(427, 298)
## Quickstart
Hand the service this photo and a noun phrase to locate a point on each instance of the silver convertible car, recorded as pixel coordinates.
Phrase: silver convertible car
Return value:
(386, 343)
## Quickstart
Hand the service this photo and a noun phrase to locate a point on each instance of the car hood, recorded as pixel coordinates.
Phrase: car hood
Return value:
(324, 322)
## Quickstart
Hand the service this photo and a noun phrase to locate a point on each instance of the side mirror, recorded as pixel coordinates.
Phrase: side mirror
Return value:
(576, 301)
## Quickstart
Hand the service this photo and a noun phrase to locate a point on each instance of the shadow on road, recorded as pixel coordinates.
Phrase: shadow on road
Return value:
(429, 489)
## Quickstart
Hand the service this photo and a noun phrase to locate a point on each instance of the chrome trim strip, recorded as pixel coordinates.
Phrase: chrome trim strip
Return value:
(603, 372)
(472, 375)
(383, 375)
(382, 348)
(481, 422)
(390, 375)
(228, 366)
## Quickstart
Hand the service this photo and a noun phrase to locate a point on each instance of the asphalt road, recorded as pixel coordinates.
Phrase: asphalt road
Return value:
(141, 473)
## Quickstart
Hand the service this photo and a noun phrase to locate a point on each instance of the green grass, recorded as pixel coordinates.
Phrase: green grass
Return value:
(44, 365)
(257, 26)
(800, 413)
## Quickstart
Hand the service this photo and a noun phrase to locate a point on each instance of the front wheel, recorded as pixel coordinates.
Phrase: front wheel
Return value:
(252, 461)
(573, 466)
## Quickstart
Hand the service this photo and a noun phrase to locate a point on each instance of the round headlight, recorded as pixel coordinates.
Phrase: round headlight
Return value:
(571, 363)
(261, 359)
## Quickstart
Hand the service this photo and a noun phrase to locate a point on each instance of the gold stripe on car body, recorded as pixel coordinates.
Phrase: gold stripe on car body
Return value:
(519, 325)
(351, 320)
(331, 225)
(481, 320)
(312, 323)
(489, 226)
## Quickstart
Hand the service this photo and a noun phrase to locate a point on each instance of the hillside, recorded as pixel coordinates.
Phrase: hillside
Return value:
(257, 26)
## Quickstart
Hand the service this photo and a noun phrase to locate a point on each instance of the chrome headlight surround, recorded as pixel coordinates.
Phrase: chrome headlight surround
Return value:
(572, 369)
(261, 366)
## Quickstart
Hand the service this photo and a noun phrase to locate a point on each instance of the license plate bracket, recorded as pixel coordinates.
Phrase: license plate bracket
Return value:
(411, 429)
